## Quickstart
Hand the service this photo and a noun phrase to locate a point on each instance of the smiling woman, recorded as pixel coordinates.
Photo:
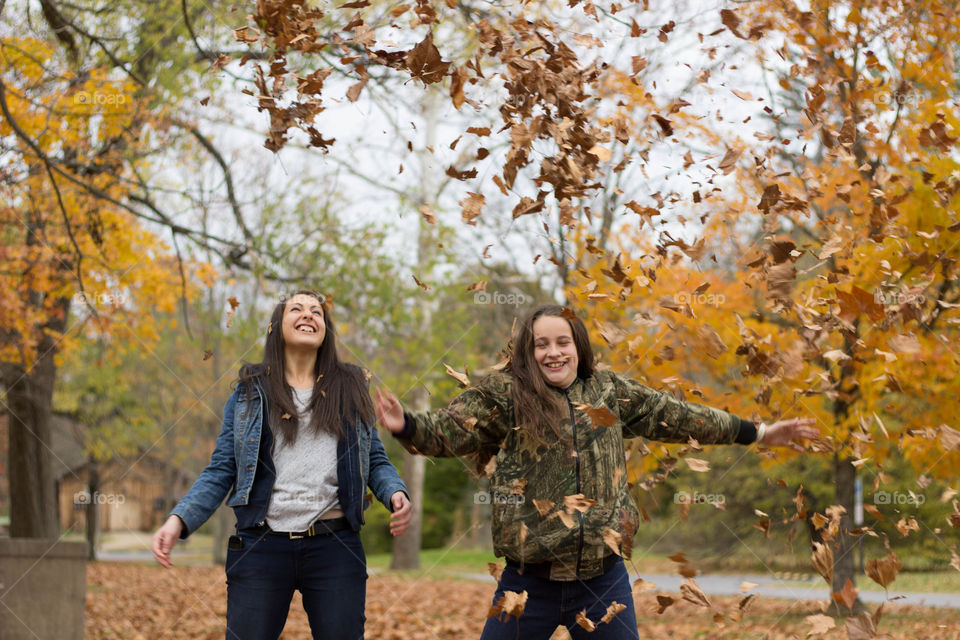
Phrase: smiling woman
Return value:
(561, 508)
(296, 453)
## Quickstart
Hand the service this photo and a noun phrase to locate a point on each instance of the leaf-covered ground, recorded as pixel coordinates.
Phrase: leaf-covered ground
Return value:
(139, 602)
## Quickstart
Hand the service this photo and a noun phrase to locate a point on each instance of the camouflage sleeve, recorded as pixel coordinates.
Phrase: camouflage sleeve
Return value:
(477, 420)
(661, 416)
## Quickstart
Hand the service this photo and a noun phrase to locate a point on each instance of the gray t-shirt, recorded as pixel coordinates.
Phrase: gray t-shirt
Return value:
(306, 484)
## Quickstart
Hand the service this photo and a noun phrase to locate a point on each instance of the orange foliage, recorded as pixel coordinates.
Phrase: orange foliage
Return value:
(60, 244)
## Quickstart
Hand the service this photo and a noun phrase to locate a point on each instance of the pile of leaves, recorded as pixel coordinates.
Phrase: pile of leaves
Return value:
(138, 602)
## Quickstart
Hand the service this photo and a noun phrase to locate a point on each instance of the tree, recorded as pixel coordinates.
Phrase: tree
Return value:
(833, 286)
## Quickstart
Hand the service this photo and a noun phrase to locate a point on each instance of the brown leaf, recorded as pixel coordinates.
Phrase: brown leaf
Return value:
(847, 595)
(425, 63)
(612, 539)
(663, 602)
(884, 570)
(692, 592)
(428, 214)
(697, 464)
(207, 354)
(823, 561)
(729, 161)
(614, 608)
(455, 173)
(819, 624)
(510, 603)
(456, 375)
(585, 622)
(472, 207)
(496, 570)
(770, 197)
(599, 416)
(420, 284)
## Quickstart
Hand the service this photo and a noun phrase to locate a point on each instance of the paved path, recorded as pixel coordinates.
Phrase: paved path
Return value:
(769, 587)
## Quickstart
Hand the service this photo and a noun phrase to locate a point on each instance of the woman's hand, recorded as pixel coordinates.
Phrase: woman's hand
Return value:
(164, 539)
(402, 513)
(389, 411)
(784, 432)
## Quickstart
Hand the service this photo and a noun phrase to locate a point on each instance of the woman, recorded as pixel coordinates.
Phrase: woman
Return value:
(298, 448)
(559, 488)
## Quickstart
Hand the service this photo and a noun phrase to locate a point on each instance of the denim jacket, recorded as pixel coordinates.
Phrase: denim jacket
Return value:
(241, 465)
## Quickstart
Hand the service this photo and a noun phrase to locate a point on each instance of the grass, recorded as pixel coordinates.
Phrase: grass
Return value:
(447, 563)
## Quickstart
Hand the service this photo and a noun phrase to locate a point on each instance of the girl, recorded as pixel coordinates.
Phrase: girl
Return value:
(297, 448)
(559, 488)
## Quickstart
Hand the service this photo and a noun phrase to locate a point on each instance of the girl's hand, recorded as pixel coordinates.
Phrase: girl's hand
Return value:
(164, 539)
(389, 411)
(785, 432)
(402, 513)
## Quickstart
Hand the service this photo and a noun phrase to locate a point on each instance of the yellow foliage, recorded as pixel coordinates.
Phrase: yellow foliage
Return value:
(65, 250)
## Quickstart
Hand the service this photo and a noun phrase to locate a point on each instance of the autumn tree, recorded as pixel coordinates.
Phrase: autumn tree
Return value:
(822, 279)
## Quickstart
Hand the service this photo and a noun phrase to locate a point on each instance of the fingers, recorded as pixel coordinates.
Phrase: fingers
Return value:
(161, 549)
(402, 514)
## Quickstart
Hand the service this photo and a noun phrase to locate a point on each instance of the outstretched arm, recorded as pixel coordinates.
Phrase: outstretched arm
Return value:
(474, 421)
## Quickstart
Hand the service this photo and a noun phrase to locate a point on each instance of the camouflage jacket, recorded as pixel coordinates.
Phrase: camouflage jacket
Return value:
(533, 518)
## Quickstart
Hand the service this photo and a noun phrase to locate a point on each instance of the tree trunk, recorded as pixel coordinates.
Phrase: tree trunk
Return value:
(845, 475)
(33, 497)
(406, 548)
(93, 509)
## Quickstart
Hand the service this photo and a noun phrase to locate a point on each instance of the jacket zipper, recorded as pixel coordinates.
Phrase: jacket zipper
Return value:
(576, 450)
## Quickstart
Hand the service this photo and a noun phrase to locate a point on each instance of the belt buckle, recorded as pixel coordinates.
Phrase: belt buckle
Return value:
(295, 536)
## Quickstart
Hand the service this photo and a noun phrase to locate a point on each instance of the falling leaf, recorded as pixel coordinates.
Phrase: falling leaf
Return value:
(729, 161)
(640, 586)
(602, 153)
(472, 207)
(510, 603)
(847, 595)
(612, 539)
(207, 354)
(221, 61)
(496, 570)
(663, 602)
(456, 375)
(692, 592)
(746, 586)
(585, 622)
(285, 416)
(743, 95)
(420, 284)
(823, 561)
(696, 464)
(884, 570)
(425, 63)
(614, 608)
(599, 416)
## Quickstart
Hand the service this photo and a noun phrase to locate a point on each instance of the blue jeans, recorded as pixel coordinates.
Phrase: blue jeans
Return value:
(551, 603)
(330, 571)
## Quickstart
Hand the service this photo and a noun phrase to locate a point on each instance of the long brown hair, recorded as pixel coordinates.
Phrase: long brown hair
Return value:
(537, 405)
(339, 389)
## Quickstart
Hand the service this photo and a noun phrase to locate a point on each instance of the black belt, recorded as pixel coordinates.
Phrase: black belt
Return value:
(542, 569)
(318, 528)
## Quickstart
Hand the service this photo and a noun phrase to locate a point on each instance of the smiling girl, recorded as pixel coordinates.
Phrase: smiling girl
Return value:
(559, 488)
(296, 453)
